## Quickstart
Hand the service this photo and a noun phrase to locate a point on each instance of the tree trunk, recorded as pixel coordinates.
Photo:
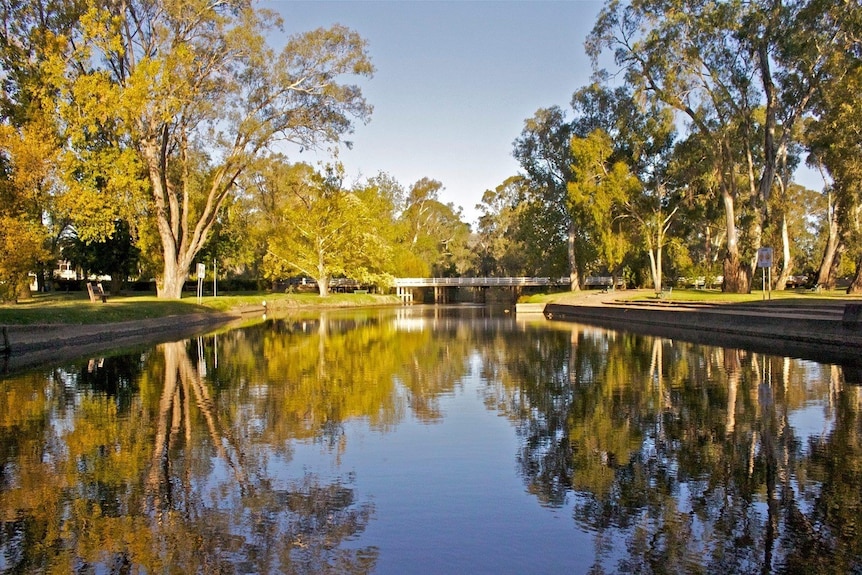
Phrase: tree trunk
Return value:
(180, 245)
(856, 285)
(787, 262)
(323, 285)
(655, 272)
(23, 292)
(655, 267)
(42, 275)
(323, 275)
(117, 278)
(574, 274)
(173, 279)
(736, 276)
(833, 242)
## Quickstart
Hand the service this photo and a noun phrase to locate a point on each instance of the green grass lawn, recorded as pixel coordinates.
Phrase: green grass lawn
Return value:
(76, 308)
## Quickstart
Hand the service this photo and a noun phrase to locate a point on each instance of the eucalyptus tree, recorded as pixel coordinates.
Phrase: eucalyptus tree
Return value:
(544, 154)
(834, 140)
(497, 217)
(433, 238)
(677, 56)
(195, 91)
(517, 235)
(699, 232)
(542, 232)
(833, 246)
(733, 70)
(807, 215)
(599, 191)
(498, 249)
(641, 136)
(802, 47)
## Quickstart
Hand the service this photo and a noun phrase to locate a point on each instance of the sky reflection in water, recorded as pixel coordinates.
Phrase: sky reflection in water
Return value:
(431, 440)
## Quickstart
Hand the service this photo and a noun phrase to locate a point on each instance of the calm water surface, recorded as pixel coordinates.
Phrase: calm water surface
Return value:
(431, 440)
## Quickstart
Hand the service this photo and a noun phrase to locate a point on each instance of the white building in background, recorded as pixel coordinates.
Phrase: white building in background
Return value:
(65, 271)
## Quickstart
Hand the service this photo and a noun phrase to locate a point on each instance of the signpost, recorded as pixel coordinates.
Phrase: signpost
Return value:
(202, 272)
(764, 261)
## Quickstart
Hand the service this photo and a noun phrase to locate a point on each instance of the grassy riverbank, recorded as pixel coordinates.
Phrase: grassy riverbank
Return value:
(76, 308)
(784, 298)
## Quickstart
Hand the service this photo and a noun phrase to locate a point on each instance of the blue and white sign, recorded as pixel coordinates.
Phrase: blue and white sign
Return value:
(764, 258)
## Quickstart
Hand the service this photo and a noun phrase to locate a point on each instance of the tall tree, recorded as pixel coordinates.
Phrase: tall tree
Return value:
(600, 190)
(806, 215)
(32, 35)
(834, 139)
(682, 55)
(317, 228)
(730, 69)
(517, 235)
(193, 89)
(543, 151)
(26, 177)
(432, 233)
(641, 135)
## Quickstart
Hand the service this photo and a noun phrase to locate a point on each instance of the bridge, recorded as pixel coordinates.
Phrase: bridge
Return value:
(478, 282)
(405, 286)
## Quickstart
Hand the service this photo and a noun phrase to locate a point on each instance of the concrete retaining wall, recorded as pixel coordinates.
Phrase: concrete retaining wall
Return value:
(823, 338)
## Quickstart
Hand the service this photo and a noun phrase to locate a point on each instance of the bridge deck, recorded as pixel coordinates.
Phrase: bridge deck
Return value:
(478, 282)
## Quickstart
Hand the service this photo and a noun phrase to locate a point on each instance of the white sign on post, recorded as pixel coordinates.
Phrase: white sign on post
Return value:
(202, 272)
(764, 258)
(764, 261)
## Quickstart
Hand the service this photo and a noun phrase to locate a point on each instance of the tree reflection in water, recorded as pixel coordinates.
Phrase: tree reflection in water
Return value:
(673, 456)
(685, 454)
(164, 483)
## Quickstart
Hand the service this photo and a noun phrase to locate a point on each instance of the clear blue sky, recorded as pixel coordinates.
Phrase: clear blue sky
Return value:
(454, 83)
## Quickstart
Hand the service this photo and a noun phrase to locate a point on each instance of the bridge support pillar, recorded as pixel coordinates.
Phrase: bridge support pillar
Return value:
(405, 294)
(440, 295)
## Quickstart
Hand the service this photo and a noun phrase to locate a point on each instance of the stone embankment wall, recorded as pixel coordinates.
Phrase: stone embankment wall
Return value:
(830, 334)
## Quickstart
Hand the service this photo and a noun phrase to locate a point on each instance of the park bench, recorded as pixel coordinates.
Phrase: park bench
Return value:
(96, 293)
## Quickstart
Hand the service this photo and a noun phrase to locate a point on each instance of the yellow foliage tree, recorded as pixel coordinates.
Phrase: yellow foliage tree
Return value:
(193, 89)
(316, 228)
(26, 162)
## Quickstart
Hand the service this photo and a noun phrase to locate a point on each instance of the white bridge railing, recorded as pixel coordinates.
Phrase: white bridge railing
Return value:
(478, 282)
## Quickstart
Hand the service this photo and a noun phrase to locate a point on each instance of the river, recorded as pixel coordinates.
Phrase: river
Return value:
(430, 439)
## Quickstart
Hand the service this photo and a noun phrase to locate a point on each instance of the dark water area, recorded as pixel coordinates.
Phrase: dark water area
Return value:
(431, 440)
